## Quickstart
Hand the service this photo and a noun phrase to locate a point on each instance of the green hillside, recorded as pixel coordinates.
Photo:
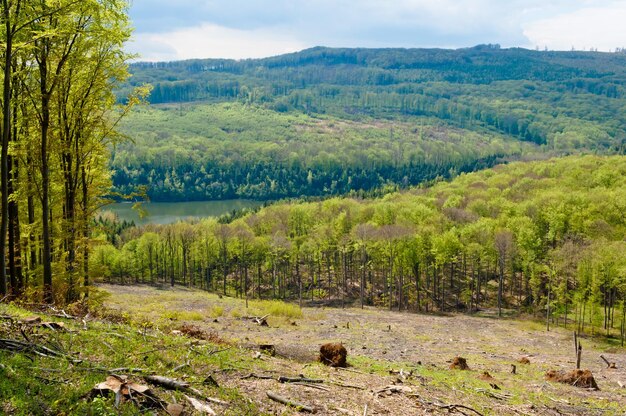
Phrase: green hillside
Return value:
(230, 150)
(329, 121)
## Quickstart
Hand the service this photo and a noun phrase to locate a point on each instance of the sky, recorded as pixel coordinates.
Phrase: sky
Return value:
(168, 30)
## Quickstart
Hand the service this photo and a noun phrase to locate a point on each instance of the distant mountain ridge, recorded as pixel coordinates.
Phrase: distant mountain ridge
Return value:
(477, 65)
(489, 101)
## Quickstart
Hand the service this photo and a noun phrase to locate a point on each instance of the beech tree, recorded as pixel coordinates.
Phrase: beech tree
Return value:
(60, 61)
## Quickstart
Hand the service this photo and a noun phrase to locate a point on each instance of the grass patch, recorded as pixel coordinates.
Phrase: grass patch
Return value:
(34, 385)
(277, 308)
(216, 311)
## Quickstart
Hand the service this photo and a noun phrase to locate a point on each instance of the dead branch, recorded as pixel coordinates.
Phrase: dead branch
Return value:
(126, 370)
(262, 321)
(262, 377)
(284, 379)
(299, 406)
(168, 383)
(115, 334)
(61, 314)
(493, 395)
(36, 349)
(350, 370)
(179, 367)
(608, 364)
(449, 407)
(394, 389)
(199, 406)
(171, 384)
(313, 386)
(199, 394)
(350, 386)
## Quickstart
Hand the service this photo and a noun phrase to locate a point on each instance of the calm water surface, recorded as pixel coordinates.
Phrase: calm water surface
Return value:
(169, 212)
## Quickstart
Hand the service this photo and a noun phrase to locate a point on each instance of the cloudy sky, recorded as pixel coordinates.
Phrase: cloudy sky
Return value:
(182, 29)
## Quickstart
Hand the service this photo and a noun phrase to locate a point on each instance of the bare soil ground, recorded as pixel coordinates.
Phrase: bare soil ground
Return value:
(380, 345)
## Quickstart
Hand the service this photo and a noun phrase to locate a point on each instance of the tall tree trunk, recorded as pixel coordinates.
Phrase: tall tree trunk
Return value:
(86, 229)
(32, 263)
(15, 258)
(48, 295)
(4, 152)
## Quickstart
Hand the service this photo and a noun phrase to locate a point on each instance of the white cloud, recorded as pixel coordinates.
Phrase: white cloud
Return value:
(181, 29)
(212, 41)
(590, 27)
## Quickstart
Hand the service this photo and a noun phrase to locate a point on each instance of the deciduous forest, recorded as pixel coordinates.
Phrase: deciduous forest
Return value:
(531, 236)
(263, 128)
(60, 63)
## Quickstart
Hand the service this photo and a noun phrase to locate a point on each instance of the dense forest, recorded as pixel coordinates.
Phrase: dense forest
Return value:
(60, 63)
(230, 150)
(534, 236)
(292, 109)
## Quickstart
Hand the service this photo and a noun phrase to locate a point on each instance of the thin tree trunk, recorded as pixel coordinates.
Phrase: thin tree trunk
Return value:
(4, 152)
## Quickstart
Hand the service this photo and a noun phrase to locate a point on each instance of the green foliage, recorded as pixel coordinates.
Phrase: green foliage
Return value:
(523, 236)
(231, 150)
(330, 121)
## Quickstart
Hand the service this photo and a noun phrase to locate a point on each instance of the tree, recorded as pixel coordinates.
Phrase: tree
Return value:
(504, 245)
(77, 48)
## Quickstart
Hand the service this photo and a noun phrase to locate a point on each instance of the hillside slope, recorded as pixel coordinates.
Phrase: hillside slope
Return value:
(518, 102)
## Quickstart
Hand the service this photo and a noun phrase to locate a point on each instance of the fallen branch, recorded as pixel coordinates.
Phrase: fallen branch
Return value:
(262, 321)
(126, 370)
(29, 347)
(198, 393)
(200, 407)
(179, 367)
(172, 384)
(252, 375)
(350, 386)
(394, 389)
(313, 386)
(608, 364)
(350, 370)
(493, 395)
(284, 379)
(449, 407)
(168, 383)
(61, 314)
(299, 406)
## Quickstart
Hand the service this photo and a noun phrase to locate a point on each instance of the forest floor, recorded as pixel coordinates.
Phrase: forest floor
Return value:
(398, 362)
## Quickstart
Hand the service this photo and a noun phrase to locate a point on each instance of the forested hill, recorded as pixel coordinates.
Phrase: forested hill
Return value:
(538, 233)
(597, 73)
(490, 103)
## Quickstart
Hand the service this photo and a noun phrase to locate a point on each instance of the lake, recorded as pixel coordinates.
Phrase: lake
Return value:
(169, 212)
